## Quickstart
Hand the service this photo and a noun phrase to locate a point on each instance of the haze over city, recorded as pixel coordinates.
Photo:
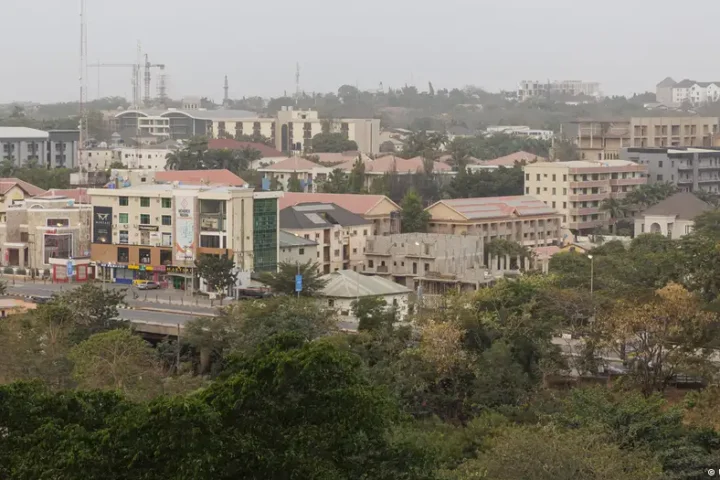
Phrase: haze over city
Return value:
(625, 46)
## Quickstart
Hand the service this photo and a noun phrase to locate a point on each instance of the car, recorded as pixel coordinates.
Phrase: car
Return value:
(39, 299)
(148, 286)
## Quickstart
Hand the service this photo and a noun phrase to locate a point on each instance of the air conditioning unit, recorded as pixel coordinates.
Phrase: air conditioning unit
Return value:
(125, 226)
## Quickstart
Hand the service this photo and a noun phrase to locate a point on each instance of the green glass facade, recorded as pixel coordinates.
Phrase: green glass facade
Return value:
(265, 237)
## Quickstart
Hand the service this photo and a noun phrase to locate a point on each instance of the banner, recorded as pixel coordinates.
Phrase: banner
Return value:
(102, 224)
(184, 228)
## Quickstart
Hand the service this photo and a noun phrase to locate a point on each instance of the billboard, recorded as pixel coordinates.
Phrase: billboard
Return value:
(102, 224)
(184, 228)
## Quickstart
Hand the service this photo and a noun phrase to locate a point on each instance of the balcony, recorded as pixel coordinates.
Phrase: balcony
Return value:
(684, 166)
(708, 179)
(628, 181)
(708, 166)
(585, 211)
(382, 269)
(588, 184)
(587, 225)
(590, 197)
(685, 180)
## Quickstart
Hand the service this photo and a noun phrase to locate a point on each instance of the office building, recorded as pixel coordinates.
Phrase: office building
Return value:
(21, 145)
(528, 89)
(691, 169)
(673, 217)
(156, 232)
(577, 189)
(63, 149)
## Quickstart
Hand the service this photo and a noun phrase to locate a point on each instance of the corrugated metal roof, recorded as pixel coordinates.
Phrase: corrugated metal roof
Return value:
(497, 207)
(356, 203)
(350, 284)
(287, 239)
(23, 132)
(318, 215)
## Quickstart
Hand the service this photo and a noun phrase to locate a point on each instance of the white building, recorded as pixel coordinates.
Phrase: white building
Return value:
(533, 88)
(674, 217)
(521, 131)
(672, 94)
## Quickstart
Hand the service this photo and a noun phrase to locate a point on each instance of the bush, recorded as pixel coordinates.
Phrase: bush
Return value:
(9, 270)
(20, 271)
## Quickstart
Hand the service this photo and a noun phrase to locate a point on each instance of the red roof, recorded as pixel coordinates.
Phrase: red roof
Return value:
(513, 158)
(292, 164)
(201, 177)
(391, 163)
(78, 194)
(7, 183)
(355, 203)
(230, 144)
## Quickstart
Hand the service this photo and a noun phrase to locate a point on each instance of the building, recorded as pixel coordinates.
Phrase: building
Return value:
(63, 149)
(602, 139)
(516, 159)
(14, 306)
(390, 164)
(522, 219)
(309, 174)
(433, 262)
(156, 232)
(340, 234)
(221, 177)
(383, 213)
(528, 89)
(269, 155)
(673, 217)
(691, 169)
(295, 249)
(48, 233)
(520, 131)
(673, 94)
(21, 145)
(577, 189)
(346, 286)
(14, 191)
(182, 123)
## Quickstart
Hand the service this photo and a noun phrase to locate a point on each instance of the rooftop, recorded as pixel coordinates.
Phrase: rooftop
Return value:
(350, 284)
(80, 195)
(514, 159)
(23, 133)
(355, 203)
(497, 207)
(230, 144)
(7, 183)
(198, 114)
(287, 239)
(318, 216)
(201, 177)
(682, 205)
(290, 165)
(585, 164)
(391, 163)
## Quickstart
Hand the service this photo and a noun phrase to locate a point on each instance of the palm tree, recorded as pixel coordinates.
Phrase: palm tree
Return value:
(615, 208)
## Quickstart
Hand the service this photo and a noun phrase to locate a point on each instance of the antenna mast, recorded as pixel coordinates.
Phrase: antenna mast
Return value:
(297, 81)
(82, 126)
(226, 100)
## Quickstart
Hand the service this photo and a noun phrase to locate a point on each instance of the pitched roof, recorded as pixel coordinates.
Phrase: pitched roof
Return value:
(318, 216)
(469, 159)
(355, 203)
(231, 144)
(287, 239)
(341, 157)
(351, 284)
(291, 164)
(685, 83)
(682, 205)
(78, 194)
(390, 163)
(668, 82)
(7, 183)
(201, 177)
(497, 207)
(513, 158)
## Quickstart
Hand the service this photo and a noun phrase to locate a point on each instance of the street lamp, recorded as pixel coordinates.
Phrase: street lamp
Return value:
(592, 272)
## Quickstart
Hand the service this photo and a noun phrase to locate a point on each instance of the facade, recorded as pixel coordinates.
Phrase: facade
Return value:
(521, 131)
(346, 286)
(674, 94)
(156, 232)
(143, 158)
(602, 139)
(576, 189)
(294, 249)
(528, 89)
(339, 233)
(63, 149)
(673, 217)
(383, 213)
(21, 145)
(522, 219)
(48, 232)
(14, 191)
(691, 169)
(310, 174)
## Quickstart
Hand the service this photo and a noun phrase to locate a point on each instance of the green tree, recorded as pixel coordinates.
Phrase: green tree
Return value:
(423, 144)
(356, 179)
(387, 147)
(117, 165)
(373, 313)
(332, 142)
(414, 218)
(94, 309)
(218, 271)
(337, 182)
(283, 281)
(294, 184)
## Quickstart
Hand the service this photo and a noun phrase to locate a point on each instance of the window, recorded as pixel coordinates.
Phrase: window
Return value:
(166, 220)
(354, 250)
(371, 263)
(553, 204)
(564, 191)
(553, 191)
(124, 237)
(123, 218)
(364, 232)
(165, 257)
(564, 178)
(124, 201)
(144, 219)
(166, 203)
(660, 164)
(317, 235)
(145, 256)
(58, 222)
(301, 251)
(659, 178)
(167, 240)
(688, 229)
(527, 176)
(527, 190)
(144, 201)
(337, 252)
(537, 190)
(209, 241)
(307, 237)
(554, 177)
(123, 255)
(564, 204)
(427, 267)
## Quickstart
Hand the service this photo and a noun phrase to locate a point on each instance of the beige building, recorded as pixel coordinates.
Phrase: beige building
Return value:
(577, 189)
(340, 234)
(296, 249)
(156, 232)
(673, 217)
(310, 174)
(522, 219)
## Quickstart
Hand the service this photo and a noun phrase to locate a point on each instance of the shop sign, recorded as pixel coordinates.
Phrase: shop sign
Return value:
(142, 268)
(148, 228)
(181, 270)
(102, 224)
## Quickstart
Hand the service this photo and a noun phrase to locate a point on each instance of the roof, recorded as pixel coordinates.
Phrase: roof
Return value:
(586, 163)
(682, 205)
(339, 157)
(318, 216)
(80, 195)
(231, 144)
(352, 202)
(287, 239)
(685, 83)
(23, 132)
(469, 159)
(351, 284)
(290, 165)
(390, 163)
(498, 207)
(199, 114)
(514, 158)
(201, 177)
(7, 183)
(668, 82)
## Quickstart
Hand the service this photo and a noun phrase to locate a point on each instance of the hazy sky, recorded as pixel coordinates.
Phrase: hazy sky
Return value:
(627, 45)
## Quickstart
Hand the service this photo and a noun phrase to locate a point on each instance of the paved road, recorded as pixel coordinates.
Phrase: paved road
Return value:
(154, 317)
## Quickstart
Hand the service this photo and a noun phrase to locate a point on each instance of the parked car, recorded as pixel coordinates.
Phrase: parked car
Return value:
(148, 286)
(39, 299)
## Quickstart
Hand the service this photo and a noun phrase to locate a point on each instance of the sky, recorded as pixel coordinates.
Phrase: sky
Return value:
(626, 45)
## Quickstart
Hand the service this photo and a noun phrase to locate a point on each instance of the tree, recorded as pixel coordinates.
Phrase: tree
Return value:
(414, 218)
(218, 271)
(117, 165)
(423, 144)
(332, 142)
(373, 313)
(117, 360)
(565, 151)
(356, 179)
(283, 281)
(615, 208)
(94, 309)
(337, 182)
(387, 147)
(294, 184)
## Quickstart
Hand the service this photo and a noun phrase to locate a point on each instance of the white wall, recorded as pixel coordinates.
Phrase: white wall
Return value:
(343, 306)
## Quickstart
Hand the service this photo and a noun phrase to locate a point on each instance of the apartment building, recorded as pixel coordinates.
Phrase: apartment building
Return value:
(156, 232)
(520, 131)
(20, 145)
(522, 219)
(691, 169)
(674, 94)
(340, 234)
(528, 89)
(577, 189)
(295, 249)
(602, 139)
(63, 149)
(309, 174)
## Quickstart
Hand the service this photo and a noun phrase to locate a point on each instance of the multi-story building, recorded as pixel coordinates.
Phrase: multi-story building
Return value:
(532, 88)
(522, 219)
(13, 191)
(577, 189)
(63, 146)
(295, 249)
(21, 145)
(602, 139)
(156, 232)
(673, 217)
(310, 174)
(691, 169)
(520, 131)
(673, 94)
(339, 233)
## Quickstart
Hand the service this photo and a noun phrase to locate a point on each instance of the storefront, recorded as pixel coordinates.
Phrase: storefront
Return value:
(70, 270)
(131, 273)
(180, 278)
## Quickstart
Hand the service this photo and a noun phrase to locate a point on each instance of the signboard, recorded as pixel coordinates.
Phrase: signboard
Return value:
(180, 270)
(102, 224)
(298, 283)
(70, 269)
(184, 228)
(148, 228)
(155, 238)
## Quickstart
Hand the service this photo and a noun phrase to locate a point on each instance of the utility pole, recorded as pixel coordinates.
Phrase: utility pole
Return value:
(83, 67)
(226, 100)
(297, 82)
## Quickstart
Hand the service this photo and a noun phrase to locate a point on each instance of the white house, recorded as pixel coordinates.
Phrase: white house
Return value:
(673, 217)
(345, 286)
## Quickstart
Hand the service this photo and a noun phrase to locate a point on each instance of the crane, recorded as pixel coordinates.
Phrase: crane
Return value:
(148, 66)
(135, 77)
